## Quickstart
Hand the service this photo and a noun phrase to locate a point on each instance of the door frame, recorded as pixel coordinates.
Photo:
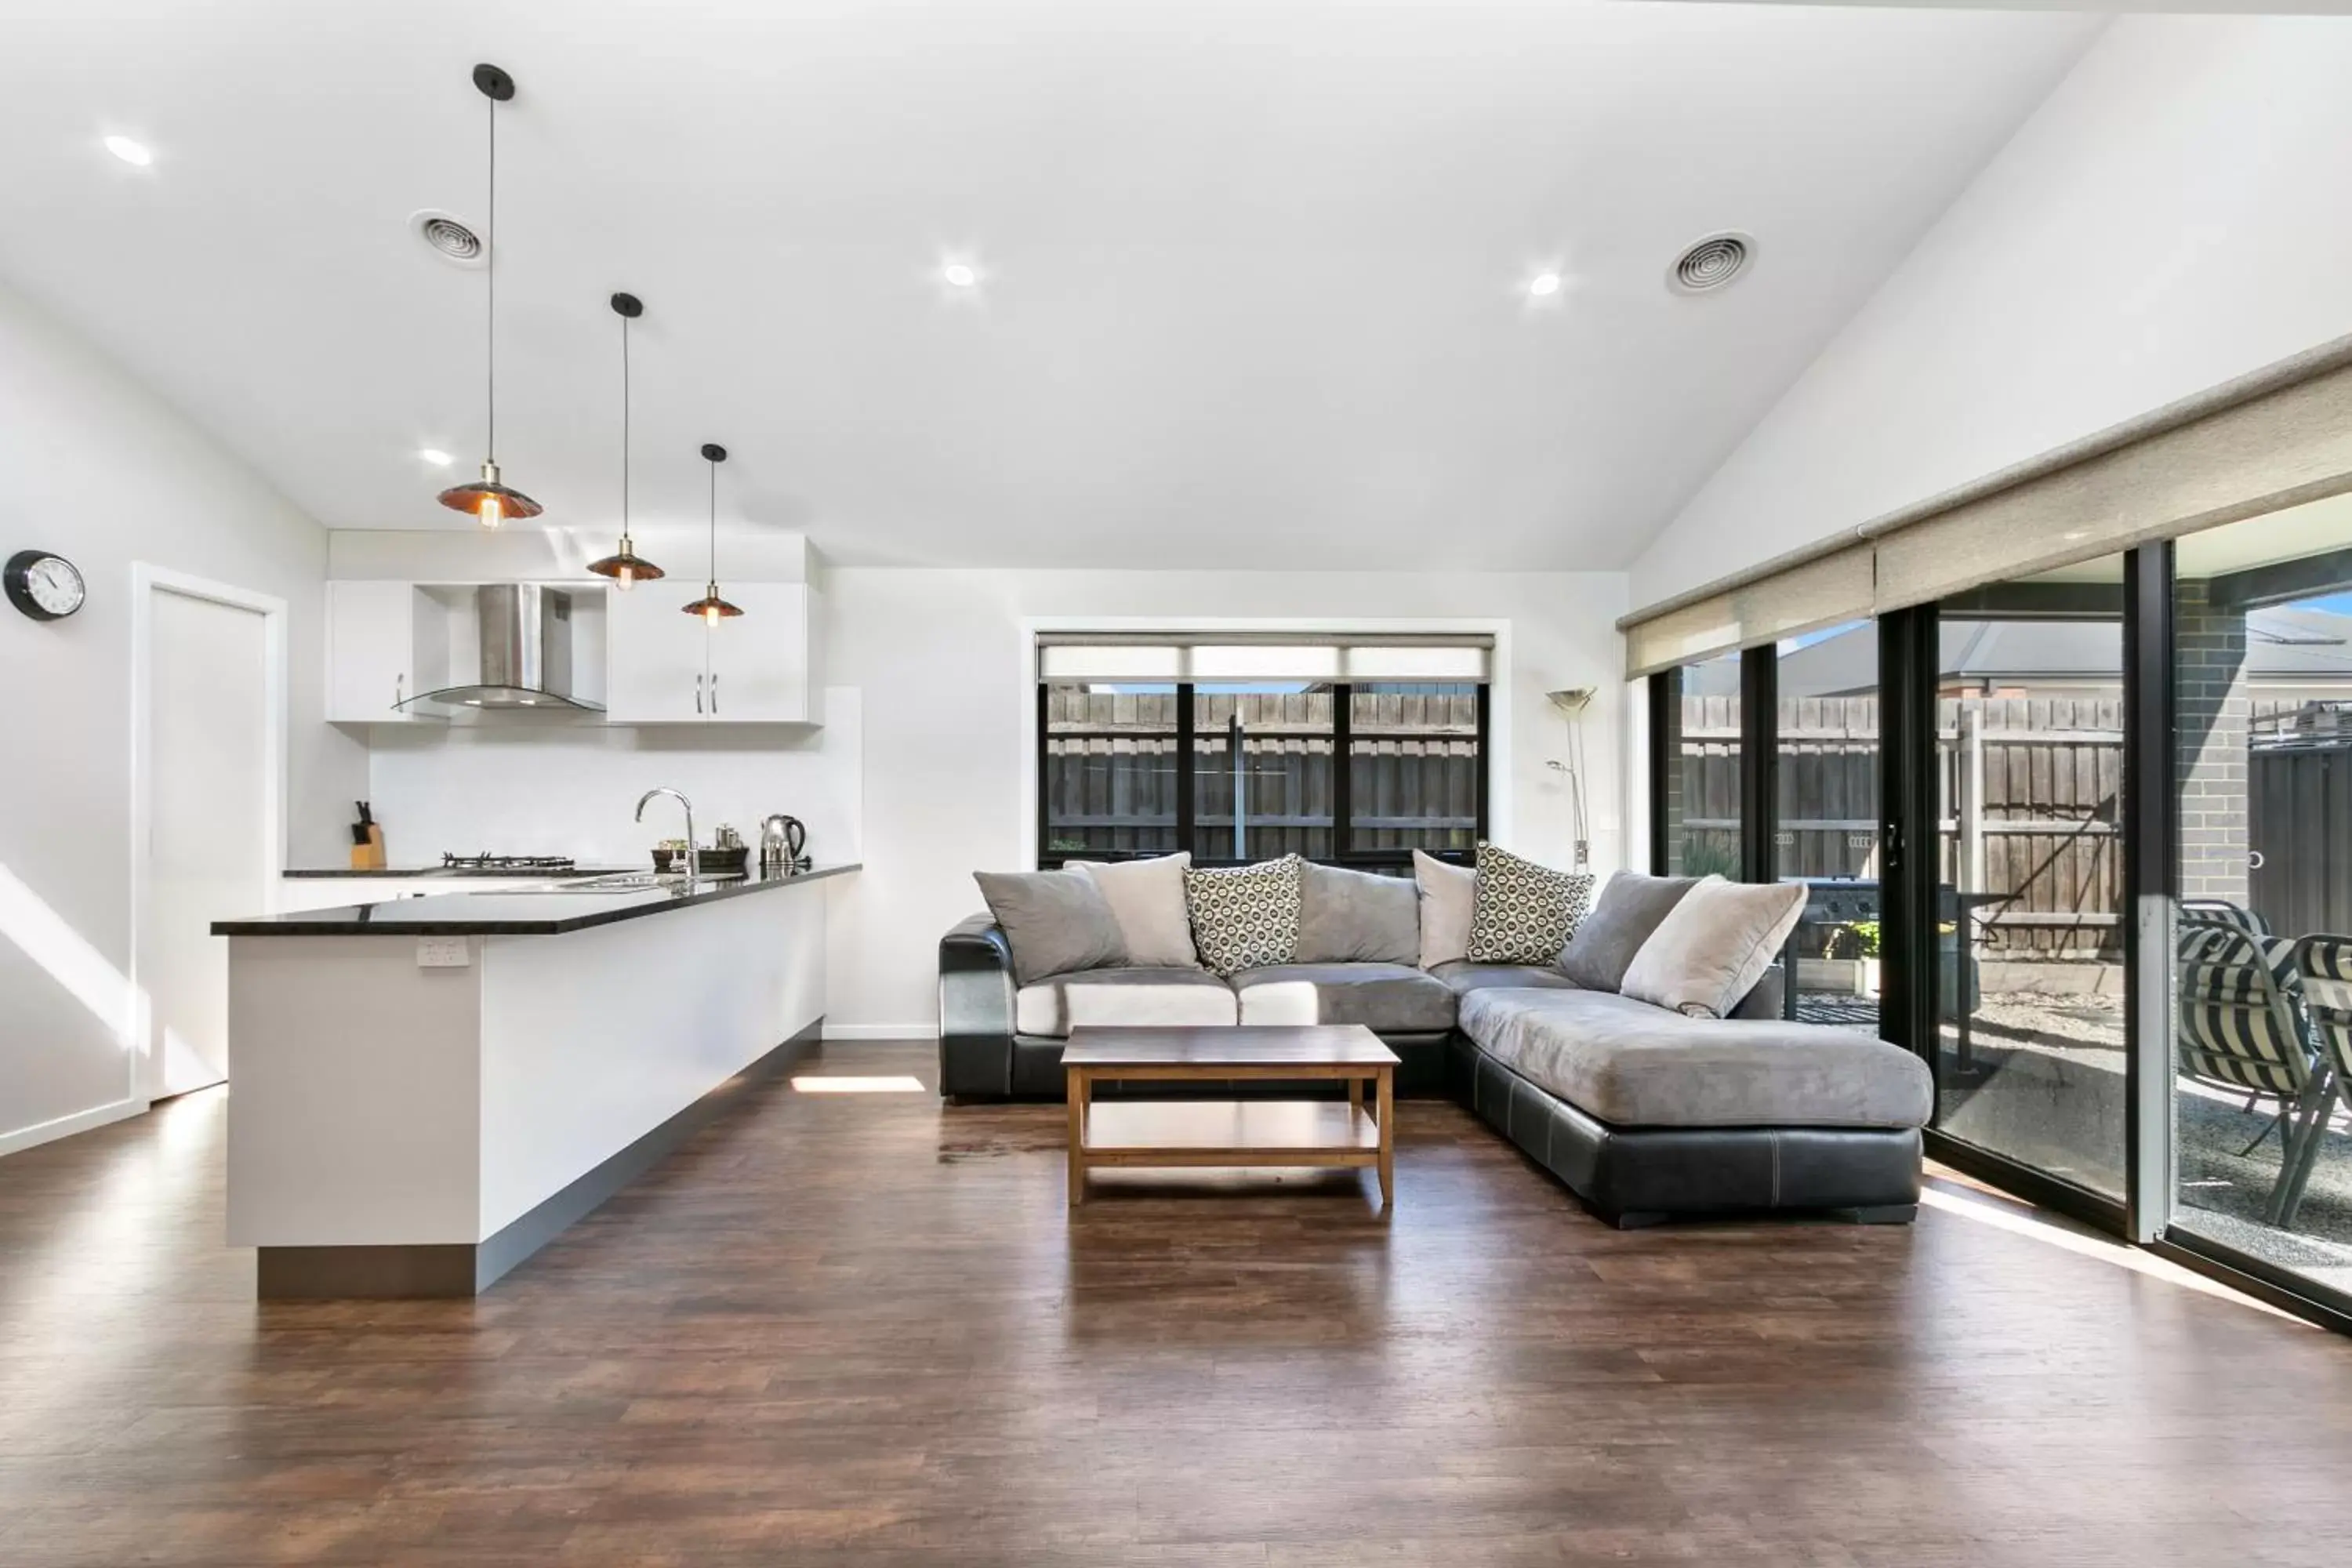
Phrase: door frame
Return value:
(146, 581)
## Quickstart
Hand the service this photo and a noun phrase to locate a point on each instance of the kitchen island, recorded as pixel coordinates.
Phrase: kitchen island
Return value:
(427, 1090)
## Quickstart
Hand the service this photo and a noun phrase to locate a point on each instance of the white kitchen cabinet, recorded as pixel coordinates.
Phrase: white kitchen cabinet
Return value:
(665, 667)
(657, 657)
(759, 662)
(386, 643)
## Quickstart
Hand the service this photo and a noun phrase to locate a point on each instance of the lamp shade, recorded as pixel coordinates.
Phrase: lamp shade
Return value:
(492, 502)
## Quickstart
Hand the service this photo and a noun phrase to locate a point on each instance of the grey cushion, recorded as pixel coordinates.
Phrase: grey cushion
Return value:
(1462, 975)
(1131, 998)
(1714, 945)
(1629, 910)
(1393, 998)
(1633, 1065)
(1147, 900)
(1448, 894)
(1054, 921)
(1355, 916)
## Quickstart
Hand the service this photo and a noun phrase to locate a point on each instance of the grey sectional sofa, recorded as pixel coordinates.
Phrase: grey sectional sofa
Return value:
(1645, 1114)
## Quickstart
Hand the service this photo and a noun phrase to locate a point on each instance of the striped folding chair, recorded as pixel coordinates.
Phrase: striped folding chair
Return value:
(2222, 911)
(2242, 1028)
(2324, 969)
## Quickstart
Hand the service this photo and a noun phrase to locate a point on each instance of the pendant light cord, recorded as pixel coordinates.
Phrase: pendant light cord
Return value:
(714, 527)
(624, 427)
(490, 277)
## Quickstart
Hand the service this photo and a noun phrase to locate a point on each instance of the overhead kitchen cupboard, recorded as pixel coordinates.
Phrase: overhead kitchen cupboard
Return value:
(666, 667)
(386, 643)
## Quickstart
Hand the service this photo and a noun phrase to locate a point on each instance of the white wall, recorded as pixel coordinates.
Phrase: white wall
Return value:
(513, 784)
(939, 657)
(2176, 214)
(97, 469)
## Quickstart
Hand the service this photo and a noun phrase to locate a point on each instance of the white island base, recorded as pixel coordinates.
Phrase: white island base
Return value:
(416, 1110)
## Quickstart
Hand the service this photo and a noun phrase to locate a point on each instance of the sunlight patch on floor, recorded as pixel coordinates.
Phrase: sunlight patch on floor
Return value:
(2032, 1223)
(845, 1083)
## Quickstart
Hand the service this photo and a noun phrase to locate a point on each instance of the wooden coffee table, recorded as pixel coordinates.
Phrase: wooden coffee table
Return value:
(1170, 1133)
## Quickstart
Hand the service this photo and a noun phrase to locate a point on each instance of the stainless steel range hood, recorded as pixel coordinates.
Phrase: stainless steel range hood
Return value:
(525, 654)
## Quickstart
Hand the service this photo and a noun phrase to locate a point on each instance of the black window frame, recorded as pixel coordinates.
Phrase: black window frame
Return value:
(1342, 792)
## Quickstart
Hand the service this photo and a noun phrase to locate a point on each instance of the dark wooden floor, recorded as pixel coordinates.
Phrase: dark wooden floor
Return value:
(861, 1330)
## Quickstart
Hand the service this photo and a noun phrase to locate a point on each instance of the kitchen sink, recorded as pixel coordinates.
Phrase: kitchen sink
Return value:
(624, 882)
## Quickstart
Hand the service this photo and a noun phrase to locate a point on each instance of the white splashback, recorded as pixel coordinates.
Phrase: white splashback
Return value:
(521, 784)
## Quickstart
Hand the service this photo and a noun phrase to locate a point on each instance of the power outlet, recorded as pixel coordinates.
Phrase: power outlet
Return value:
(444, 953)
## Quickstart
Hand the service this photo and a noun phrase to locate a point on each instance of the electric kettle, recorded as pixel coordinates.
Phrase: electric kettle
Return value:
(781, 840)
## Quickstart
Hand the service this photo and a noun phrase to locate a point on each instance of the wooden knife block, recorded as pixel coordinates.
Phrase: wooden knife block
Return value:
(368, 856)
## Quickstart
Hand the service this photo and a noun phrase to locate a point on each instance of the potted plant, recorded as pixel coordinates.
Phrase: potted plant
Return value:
(1856, 943)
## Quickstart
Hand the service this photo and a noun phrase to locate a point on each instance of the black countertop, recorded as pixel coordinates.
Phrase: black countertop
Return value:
(512, 873)
(549, 912)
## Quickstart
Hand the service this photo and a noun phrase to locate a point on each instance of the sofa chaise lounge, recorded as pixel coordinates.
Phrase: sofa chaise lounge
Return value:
(1645, 1113)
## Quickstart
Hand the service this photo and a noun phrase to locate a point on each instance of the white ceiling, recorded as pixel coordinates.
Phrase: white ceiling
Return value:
(1255, 272)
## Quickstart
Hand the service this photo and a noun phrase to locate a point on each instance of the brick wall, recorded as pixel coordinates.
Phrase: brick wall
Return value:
(2215, 712)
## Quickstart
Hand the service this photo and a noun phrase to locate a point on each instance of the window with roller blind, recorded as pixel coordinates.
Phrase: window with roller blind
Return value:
(1353, 752)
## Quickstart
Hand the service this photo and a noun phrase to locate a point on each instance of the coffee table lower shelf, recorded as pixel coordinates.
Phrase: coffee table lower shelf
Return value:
(1315, 1134)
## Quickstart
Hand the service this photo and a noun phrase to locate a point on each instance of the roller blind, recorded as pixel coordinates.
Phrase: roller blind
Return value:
(2289, 446)
(1207, 659)
(1817, 593)
(2274, 439)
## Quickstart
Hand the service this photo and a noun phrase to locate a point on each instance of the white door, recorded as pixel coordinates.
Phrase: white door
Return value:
(656, 670)
(210, 818)
(759, 663)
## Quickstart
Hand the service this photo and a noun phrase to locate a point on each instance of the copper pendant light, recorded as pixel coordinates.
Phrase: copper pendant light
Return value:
(710, 607)
(624, 566)
(490, 501)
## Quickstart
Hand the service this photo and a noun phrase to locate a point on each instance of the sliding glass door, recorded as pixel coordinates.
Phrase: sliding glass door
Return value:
(2261, 665)
(1700, 745)
(1826, 789)
(2029, 979)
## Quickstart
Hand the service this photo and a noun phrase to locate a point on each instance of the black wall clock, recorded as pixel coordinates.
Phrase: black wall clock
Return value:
(45, 586)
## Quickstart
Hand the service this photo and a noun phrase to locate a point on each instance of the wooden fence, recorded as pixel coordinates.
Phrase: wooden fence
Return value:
(2031, 789)
(1110, 772)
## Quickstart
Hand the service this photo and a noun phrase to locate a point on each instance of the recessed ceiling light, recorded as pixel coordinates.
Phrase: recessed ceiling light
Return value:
(960, 274)
(135, 153)
(1543, 285)
(435, 455)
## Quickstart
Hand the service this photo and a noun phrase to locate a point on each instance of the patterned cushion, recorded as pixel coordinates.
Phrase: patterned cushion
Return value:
(1245, 916)
(1522, 912)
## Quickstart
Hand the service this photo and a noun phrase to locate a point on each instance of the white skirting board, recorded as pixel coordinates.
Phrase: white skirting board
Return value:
(923, 1031)
(67, 1126)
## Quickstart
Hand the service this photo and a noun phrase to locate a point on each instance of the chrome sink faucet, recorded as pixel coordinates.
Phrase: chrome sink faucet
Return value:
(688, 804)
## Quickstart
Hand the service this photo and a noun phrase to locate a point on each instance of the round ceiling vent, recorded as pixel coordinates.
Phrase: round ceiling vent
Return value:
(449, 238)
(1711, 264)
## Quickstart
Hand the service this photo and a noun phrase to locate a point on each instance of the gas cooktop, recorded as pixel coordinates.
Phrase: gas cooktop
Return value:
(507, 863)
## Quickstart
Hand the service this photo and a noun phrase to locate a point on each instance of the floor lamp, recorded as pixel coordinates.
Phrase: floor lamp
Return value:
(1571, 704)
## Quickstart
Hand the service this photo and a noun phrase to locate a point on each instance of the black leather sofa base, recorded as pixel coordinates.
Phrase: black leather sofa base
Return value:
(1638, 1176)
